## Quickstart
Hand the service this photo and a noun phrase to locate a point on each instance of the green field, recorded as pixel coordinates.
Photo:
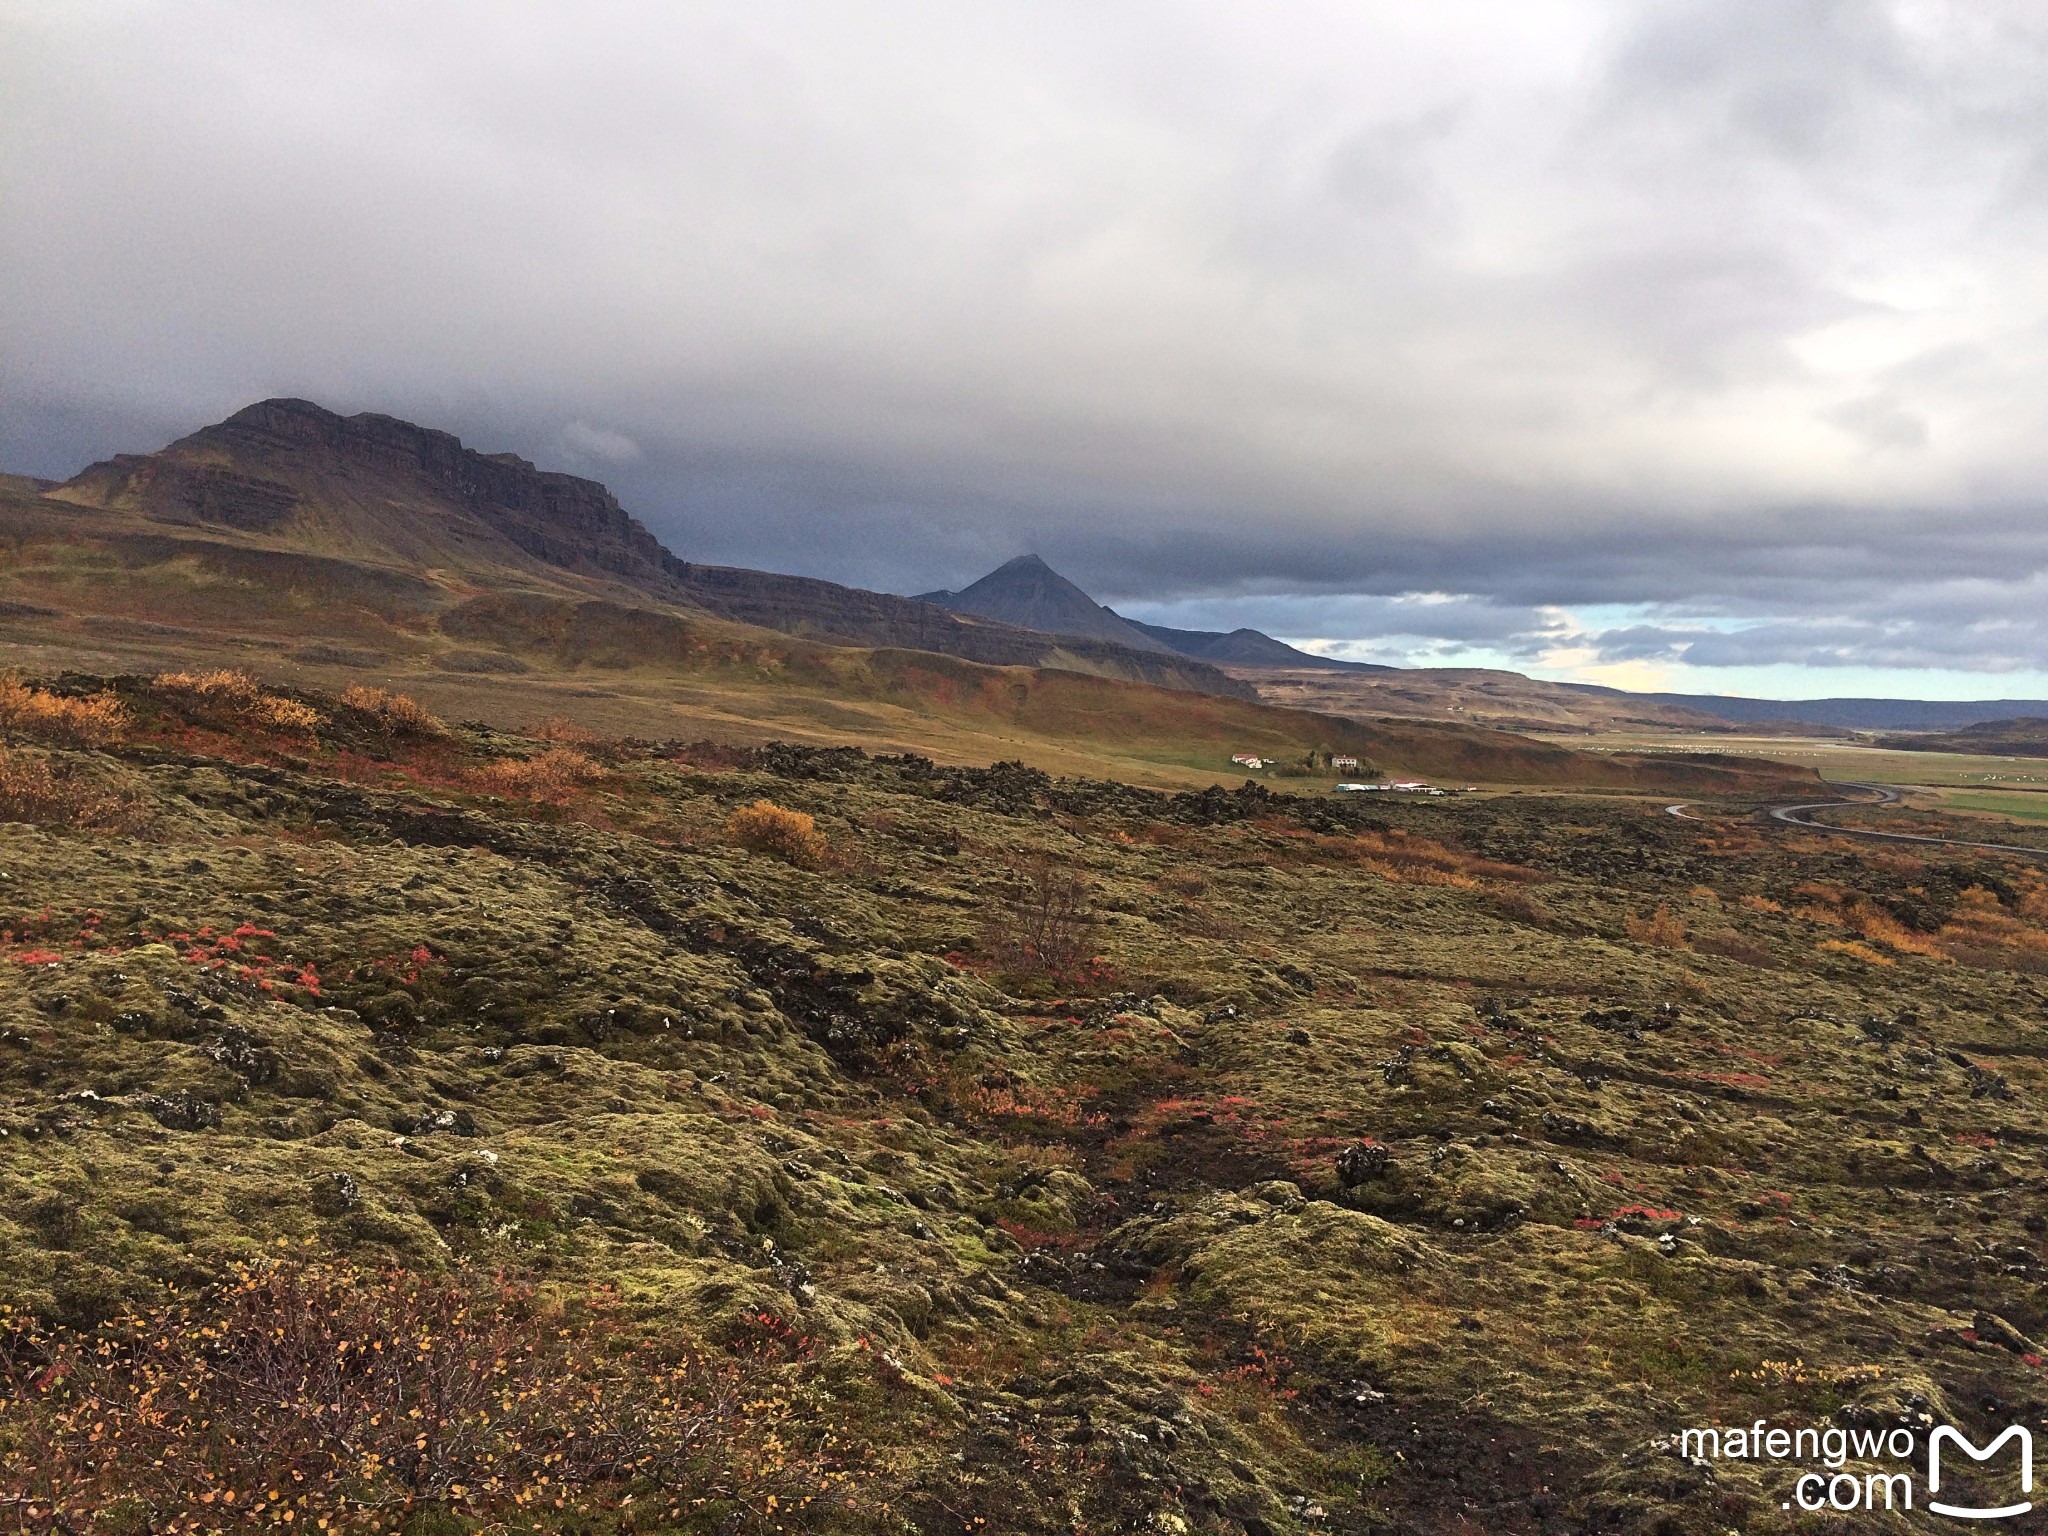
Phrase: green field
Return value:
(1837, 760)
(2013, 806)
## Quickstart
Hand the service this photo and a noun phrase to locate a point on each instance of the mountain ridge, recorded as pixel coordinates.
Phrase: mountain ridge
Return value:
(1857, 714)
(1030, 594)
(1246, 647)
(286, 479)
(2017, 736)
(288, 474)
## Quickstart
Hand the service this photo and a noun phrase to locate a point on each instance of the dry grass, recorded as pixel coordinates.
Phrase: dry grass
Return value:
(1413, 860)
(1733, 946)
(765, 827)
(1855, 951)
(231, 695)
(33, 791)
(1198, 920)
(33, 712)
(1518, 905)
(1873, 922)
(1837, 907)
(564, 732)
(1980, 922)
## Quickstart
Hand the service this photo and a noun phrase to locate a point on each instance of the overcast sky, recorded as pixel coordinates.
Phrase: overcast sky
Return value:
(1694, 345)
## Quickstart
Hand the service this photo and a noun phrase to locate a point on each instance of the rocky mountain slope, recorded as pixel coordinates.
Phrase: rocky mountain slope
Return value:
(371, 487)
(1482, 696)
(373, 508)
(1860, 714)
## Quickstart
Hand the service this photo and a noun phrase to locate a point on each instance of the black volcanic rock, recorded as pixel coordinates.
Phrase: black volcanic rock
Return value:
(1030, 594)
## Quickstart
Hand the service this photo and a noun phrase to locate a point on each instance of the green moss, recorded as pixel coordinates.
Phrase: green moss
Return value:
(1617, 1179)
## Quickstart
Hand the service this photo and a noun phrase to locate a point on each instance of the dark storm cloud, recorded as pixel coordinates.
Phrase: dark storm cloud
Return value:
(1728, 307)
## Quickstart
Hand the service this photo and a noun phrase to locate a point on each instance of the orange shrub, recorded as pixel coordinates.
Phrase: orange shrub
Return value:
(1873, 922)
(1517, 905)
(548, 776)
(564, 732)
(228, 685)
(2033, 904)
(1660, 928)
(1981, 922)
(74, 722)
(392, 713)
(1733, 946)
(33, 791)
(232, 694)
(1839, 907)
(765, 827)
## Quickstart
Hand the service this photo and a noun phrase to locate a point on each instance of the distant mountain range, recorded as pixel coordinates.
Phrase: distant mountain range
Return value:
(293, 498)
(1860, 714)
(291, 477)
(325, 549)
(1030, 594)
(2026, 736)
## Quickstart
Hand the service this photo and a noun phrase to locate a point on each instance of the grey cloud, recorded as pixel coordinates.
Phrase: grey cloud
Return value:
(1879, 421)
(1974, 626)
(1724, 305)
(1789, 78)
(1465, 620)
(587, 444)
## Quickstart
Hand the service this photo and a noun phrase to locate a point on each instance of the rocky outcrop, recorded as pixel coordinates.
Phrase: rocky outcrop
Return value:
(284, 461)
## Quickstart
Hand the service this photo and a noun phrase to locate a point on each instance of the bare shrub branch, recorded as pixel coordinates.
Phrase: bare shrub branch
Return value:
(1045, 923)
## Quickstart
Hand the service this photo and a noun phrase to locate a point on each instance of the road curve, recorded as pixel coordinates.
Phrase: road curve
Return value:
(1801, 816)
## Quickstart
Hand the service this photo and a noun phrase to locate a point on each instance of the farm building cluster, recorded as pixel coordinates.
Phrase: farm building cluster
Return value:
(1316, 762)
(1340, 764)
(1394, 787)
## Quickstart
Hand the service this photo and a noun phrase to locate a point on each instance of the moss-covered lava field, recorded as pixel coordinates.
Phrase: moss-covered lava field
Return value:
(1095, 1158)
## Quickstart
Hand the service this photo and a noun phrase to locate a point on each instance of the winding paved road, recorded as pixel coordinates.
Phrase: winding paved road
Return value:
(1801, 816)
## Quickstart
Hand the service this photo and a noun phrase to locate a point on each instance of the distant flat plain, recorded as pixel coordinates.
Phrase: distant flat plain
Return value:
(2008, 788)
